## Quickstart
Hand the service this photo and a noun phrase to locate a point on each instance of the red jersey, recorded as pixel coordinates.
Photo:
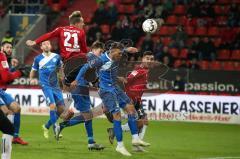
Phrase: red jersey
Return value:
(137, 83)
(5, 75)
(72, 41)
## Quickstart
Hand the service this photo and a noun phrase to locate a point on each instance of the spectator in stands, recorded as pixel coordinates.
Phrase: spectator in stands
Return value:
(194, 9)
(234, 17)
(192, 54)
(165, 53)
(227, 37)
(166, 61)
(147, 44)
(158, 11)
(138, 22)
(8, 37)
(112, 13)
(117, 32)
(101, 15)
(158, 48)
(190, 21)
(91, 35)
(207, 10)
(207, 49)
(14, 64)
(179, 38)
(130, 32)
(99, 37)
(179, 84)
(183, 64)
(149, 11)
(193, 64)
(140, 4)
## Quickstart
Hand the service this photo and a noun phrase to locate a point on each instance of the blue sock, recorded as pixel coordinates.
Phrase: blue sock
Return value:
(53, 117)
(16, 124)
(117, 130)
(48, 124)
(73, 121)
(132, 122)
(89, 129)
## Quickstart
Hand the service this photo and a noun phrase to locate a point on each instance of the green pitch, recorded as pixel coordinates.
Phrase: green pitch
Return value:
(170, 140)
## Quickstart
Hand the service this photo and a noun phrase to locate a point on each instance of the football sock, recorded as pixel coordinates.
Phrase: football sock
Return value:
(142, 133)
(132, 124)
(89, 129)
(6, 146)
(117, 130)
(73, 121)
(16, 124)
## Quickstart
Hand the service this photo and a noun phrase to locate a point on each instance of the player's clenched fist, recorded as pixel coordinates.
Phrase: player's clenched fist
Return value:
(30, 43)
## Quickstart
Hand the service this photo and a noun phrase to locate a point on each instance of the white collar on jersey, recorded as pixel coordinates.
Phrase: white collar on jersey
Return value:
(108, 56)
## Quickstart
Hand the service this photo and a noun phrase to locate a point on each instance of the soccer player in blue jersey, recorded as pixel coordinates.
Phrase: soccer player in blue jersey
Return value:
(112, 96)
(82, 102)
(47, 65)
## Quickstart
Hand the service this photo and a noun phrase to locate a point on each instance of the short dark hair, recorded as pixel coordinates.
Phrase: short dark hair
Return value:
(116, 45)
(6, 42)
(97, 45)
(147, 53)
(75, 17)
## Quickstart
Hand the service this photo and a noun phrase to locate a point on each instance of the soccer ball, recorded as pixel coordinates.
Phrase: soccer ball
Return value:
(149, 26)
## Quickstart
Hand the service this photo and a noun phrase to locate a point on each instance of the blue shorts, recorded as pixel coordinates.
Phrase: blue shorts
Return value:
(114, 100)
(5, 98)
(81, 102)
(53, 96)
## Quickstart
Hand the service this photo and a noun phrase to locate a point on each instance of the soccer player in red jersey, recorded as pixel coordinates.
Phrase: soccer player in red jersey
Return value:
(7, 104)
(72, 38)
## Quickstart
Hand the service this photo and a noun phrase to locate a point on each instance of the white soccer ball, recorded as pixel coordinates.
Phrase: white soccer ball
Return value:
(149, 26)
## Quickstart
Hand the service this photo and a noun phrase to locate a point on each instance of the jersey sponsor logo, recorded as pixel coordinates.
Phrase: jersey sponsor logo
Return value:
(134, 73)
(107, 65)
(5, 64)
(54, 60)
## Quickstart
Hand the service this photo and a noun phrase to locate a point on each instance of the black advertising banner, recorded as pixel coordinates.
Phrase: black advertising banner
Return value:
(163, 80)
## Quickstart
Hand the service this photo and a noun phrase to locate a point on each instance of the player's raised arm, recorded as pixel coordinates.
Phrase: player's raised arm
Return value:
(44, 37)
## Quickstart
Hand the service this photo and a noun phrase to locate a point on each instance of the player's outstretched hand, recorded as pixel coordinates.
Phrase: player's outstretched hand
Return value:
(30, 43)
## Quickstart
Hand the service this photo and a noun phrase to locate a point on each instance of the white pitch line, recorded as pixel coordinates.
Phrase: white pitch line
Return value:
(221, 158)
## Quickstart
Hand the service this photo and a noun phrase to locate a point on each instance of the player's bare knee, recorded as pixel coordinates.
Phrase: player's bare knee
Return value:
(130, 109)
(15, 107)
(60, 109)
(117, 116)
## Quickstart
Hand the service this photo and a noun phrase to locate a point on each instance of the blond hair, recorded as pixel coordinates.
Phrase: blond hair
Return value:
(75, 17)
